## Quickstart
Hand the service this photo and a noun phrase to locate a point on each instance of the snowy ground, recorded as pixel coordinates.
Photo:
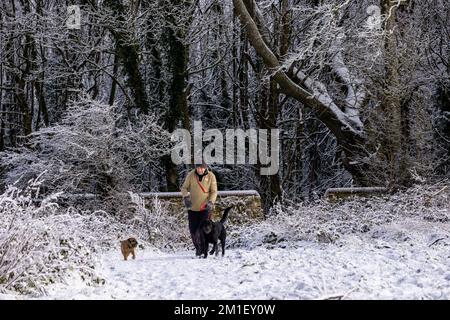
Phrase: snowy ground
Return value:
(408, 260)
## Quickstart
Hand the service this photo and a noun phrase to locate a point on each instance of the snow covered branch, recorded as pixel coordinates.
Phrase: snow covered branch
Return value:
(310, 93)
(94, 149)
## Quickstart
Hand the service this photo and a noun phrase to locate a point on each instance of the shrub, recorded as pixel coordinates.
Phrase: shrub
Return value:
(40, 243)
(93, 150)
(327, 222)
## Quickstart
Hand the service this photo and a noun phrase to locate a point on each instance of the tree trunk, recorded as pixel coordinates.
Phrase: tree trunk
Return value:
(395, 146)
(178, 110)
(127, 52)
(39, 82)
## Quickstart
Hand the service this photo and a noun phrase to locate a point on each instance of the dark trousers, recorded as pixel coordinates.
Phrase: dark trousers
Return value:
(195, 219)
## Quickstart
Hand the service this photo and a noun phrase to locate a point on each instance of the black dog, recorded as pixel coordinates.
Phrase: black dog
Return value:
(212, 232)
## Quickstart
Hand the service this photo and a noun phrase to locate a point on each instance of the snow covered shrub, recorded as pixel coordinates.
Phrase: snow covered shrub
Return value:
(157, 225)
(41, 244)
(326, 222)
(93, 150)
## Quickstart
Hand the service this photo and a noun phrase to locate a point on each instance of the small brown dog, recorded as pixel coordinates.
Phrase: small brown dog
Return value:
(127, 247)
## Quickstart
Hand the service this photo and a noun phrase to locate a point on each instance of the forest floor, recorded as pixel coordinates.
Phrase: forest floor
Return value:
(403, 260)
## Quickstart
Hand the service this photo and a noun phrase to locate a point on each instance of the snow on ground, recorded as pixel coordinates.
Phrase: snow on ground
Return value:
(408, 260)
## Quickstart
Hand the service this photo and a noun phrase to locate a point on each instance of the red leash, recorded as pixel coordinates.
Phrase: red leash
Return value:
(203, 207)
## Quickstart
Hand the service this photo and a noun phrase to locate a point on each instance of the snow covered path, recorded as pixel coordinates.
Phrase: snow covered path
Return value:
(360, 267)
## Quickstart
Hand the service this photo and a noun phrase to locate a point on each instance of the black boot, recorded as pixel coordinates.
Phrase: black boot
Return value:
(197, 247)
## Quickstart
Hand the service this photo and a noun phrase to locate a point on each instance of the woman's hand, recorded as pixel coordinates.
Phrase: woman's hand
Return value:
(187, 202)
(210, 206)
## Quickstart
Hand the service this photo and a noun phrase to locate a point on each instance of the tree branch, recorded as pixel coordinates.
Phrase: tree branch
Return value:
(315, 96)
